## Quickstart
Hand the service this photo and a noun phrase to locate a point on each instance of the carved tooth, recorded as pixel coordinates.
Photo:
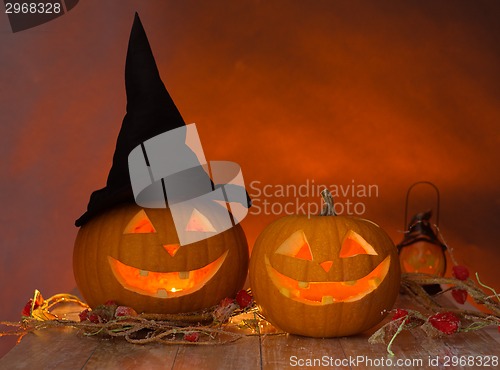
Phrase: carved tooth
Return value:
(285, 292)
(184, 275)
(326, 299)
(161, 293)
(143, 272)
(349, 282)
(303, 284)
(374, 282)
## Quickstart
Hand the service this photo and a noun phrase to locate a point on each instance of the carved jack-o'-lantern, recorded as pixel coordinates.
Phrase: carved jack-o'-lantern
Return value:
(161, 260)
(324, 276)
(132, 255)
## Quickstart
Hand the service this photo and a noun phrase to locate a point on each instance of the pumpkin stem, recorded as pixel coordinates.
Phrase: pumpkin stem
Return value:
(328, 205)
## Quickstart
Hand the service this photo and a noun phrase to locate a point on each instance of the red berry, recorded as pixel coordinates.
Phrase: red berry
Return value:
(460, 272)
(226, 302)
(125, 311)
(93, 318)
(192, 337)
(445, 322)
(460, 295)
(244, 299)
(27, 308)
(399, 313)
(84, 315)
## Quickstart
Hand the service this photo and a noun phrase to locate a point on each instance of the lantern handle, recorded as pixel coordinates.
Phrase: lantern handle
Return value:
(408, 197)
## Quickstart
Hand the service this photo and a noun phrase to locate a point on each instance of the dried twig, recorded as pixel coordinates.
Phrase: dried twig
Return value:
(467, 320)
(412, 284)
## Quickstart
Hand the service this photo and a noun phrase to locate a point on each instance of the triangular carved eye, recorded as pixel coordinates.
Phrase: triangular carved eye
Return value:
(139, 224)
(354, 245)
(296, 246)
(199, 222)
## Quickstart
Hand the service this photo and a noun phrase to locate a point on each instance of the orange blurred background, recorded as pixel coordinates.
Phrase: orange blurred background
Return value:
(333, 93)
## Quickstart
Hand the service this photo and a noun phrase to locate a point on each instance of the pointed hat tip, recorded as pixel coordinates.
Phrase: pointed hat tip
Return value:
(150, 112)
(137, 22)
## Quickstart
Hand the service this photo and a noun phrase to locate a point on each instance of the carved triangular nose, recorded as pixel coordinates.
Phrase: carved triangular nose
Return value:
(171, 248)
(327, 265)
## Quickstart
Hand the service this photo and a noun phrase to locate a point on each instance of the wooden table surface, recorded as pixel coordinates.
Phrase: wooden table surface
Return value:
(64, 348)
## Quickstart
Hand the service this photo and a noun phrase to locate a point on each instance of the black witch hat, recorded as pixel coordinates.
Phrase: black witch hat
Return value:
(150, 112)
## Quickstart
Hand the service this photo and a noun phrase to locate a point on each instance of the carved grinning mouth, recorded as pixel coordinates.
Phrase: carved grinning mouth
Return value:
(321, 293)
(164, 284)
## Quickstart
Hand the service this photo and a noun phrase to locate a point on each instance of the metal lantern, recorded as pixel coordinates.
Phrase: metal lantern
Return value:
(421, 250)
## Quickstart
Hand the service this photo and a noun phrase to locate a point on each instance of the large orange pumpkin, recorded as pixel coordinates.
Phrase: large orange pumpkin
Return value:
(132, 255)
(324, 276)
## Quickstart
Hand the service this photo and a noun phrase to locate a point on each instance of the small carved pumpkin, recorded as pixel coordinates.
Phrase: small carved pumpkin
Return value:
(132, 255)
(324, 276)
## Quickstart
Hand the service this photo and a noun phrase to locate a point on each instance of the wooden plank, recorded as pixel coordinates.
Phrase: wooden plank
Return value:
(292, 351)
(242, 354)
(478, 344)
(363, 355)
(64, 348)
(414, 349)
(119, 354)
(56, 348)
(494, 332)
